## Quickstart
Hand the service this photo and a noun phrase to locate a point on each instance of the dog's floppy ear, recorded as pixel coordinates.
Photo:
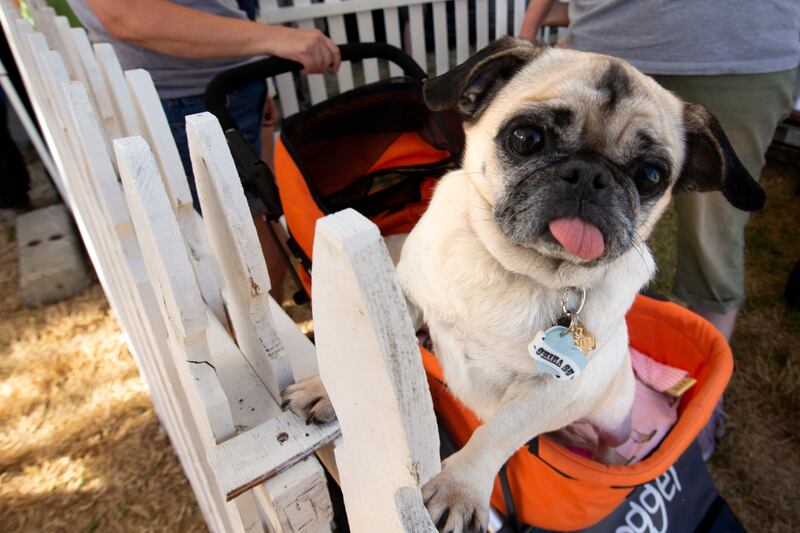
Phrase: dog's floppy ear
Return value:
(712, 165)
(469, 87)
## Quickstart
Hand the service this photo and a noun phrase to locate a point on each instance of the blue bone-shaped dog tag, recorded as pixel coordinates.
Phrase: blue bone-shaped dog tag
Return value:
(554, 352)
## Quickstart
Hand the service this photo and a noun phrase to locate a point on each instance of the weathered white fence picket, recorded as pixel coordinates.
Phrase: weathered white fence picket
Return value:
(367, 350)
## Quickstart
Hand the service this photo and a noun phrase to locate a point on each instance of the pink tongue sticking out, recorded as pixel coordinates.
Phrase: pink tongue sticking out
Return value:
(578, 237)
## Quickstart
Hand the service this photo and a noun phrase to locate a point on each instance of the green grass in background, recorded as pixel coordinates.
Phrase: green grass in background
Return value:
(61, 7)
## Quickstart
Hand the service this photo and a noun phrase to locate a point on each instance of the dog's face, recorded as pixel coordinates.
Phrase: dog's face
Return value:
(578, 154)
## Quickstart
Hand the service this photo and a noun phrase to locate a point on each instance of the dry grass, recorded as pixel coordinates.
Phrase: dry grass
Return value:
(81, 448)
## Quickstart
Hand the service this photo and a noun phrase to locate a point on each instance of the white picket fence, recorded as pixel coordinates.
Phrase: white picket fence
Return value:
(402, 22)
(191, 293)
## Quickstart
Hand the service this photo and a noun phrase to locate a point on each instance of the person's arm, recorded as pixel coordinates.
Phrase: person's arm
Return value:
(534, 16)
(180, 31)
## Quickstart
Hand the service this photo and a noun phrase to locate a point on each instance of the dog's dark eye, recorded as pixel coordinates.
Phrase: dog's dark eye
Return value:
(648, 179)
(525, 140)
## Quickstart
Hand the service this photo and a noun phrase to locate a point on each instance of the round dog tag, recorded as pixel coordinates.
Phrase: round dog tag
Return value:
(554, 352)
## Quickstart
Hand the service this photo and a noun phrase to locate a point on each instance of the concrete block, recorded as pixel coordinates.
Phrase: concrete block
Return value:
(51, 261)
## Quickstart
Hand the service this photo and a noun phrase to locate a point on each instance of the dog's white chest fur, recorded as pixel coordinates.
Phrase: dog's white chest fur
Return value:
(482, 316)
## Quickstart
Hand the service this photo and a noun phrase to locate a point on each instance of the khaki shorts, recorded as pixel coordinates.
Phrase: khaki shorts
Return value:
(710, 270)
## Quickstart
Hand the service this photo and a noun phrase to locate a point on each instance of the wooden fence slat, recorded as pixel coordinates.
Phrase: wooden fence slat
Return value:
(389, 442)
(297, 490)
(52, 76)
(96, 84)
(338, 35)
(391, 21)
(32, 45)
(155, 129)
(416, 23)
(501, 18)
(94, 180)
(168, 265)
(254, 456)
(287, 95)
(272, 14)
(366, 34)
(481, 23)
(44, 19)
(519, 14)
(462, 30)
(316, 82)
(233, 238)
(116, 86)
(94, 145)
(303, 353)
(250, 402)
(297, 499)
(442, 51)
(68, 51)
(72, 57)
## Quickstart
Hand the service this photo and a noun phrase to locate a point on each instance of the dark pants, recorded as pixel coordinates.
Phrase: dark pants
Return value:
(246, 105)
(14, 179)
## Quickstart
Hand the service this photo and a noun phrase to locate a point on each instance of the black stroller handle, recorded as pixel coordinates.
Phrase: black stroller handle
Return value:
(256, 177)
(225, 82)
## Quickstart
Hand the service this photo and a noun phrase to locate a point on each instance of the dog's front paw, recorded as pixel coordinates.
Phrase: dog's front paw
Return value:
(308, 398)
(454, 505)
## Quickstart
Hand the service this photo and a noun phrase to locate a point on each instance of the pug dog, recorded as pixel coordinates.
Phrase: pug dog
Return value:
(570, 159)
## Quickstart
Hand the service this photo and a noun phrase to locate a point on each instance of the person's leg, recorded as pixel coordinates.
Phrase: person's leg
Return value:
(177, 109)
(710, 269)
(15, 181)
(271, 118)
(13, 74)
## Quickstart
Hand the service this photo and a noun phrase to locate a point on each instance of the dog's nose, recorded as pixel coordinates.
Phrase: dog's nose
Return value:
(586, 176)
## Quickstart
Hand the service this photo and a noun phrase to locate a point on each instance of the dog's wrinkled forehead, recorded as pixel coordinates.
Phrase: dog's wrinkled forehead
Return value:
(596, 103)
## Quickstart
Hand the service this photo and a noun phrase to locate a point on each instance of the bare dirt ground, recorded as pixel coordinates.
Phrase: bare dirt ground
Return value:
(81, 448)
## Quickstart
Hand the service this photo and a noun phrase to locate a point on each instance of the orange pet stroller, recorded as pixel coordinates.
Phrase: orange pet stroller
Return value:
(379, 150)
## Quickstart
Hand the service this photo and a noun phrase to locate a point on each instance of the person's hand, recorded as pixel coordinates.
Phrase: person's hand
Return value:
(311, 47)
